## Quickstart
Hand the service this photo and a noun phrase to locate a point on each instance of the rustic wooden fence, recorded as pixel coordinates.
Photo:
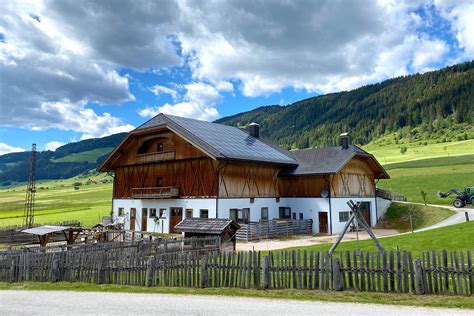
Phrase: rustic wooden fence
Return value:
(274, 228)
(436, 272)
(12, 235)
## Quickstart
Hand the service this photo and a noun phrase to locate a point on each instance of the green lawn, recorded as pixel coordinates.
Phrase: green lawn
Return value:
(300, 295)
(58, 201)
(389, 154)
(410, 181)
(398, 216)
(89, 156)
(456, 237)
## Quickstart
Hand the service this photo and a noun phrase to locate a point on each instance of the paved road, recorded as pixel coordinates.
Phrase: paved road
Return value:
(457, 218)
(90, 303)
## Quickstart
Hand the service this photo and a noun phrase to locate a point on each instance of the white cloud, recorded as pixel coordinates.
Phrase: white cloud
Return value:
(53, 145)
(6, 149)
(158, 90)
(460, 13)
(199, 102)
(429, 52)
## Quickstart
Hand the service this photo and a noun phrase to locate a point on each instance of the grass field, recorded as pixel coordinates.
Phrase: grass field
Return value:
(456, 237)
(57, 201)
(398, 216)
(89, 156)
(391, 153)
(300, 295)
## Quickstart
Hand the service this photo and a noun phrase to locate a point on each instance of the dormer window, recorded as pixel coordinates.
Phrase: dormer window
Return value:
(159, 147)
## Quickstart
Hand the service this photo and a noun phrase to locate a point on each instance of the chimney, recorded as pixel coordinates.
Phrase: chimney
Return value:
(254, 130)
(344, 138)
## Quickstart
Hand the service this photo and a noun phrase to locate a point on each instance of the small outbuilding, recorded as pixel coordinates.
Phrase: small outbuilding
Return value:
(45, 232)
(205, 227)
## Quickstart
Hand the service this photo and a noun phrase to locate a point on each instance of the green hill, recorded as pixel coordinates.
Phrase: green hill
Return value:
(437, 106)
(65, 162)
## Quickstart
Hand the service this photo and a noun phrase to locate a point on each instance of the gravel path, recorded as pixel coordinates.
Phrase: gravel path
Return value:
(95, 303)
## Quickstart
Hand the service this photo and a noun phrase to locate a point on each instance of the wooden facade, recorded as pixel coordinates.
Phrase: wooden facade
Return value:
(159, 159)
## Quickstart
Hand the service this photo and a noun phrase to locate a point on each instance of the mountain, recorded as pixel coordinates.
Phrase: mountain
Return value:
(65, 162)
(435, 105)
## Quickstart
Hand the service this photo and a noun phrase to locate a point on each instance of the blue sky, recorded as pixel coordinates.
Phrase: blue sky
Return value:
(75, 70)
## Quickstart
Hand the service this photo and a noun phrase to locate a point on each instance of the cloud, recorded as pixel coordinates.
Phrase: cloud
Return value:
(59, 56)
(6, 149)
(53, 145)
(158, 90)
(199, 102)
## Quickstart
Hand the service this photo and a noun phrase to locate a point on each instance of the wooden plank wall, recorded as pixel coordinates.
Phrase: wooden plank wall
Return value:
(241, 179)
(194, 177)
(355, 179)
(308, 186)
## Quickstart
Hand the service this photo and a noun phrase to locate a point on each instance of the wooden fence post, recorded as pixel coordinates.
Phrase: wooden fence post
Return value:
(204, 275)
(13, 277)
(55, 269)
(419, 282)
(337, 279)
(266, 272)
(149, 272)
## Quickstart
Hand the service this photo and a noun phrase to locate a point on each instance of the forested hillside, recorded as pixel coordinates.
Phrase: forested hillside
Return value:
(65, 162)
(437, 105)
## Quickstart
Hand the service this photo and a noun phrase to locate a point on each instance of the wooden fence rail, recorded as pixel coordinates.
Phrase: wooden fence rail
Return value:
(436, 272)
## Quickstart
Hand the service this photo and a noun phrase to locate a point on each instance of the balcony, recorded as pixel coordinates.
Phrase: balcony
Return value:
(154, 157)
(155, 193)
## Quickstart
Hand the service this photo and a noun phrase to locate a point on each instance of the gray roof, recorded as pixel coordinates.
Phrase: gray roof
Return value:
(222, 141)
(205, 225)
(318, 161)
(43, 230)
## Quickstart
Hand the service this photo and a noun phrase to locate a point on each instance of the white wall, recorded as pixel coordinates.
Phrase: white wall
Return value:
(340, 204)
(310, 207)
(195, 204)
(382, 206)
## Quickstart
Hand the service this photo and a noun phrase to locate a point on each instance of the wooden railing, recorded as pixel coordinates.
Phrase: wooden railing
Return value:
(384, 194)
(274, 228)
(157, 156)
(155, 192)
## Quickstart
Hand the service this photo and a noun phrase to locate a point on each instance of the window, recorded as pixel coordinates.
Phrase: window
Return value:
(252, 200)
(204, 213)
(246, 215)
(121, 211)
(264, 214)
(152, 212)
(343, 216)
(277, 200)
(301, 215)
(162, 213)
(233, 212)
(144, 212)
(159, 181)
(285, 212)
(160, 147)
(294, 215)
(189, 213)
(133, 212)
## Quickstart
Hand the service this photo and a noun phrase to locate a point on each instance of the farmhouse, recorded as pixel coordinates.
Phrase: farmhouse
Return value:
(171, 168)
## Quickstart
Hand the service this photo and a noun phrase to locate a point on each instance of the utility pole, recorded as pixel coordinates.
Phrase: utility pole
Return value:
(31, 190)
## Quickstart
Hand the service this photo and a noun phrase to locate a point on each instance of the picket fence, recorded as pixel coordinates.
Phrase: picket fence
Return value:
(436, 272)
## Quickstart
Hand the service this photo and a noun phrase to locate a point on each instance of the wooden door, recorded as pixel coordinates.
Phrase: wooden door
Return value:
(365, 211)
(144, 219)
(176, 215)
(133, 217)
(323, 222)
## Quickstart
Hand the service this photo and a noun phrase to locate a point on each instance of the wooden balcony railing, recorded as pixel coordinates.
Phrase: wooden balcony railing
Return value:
(155, 193)
(152, 157)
